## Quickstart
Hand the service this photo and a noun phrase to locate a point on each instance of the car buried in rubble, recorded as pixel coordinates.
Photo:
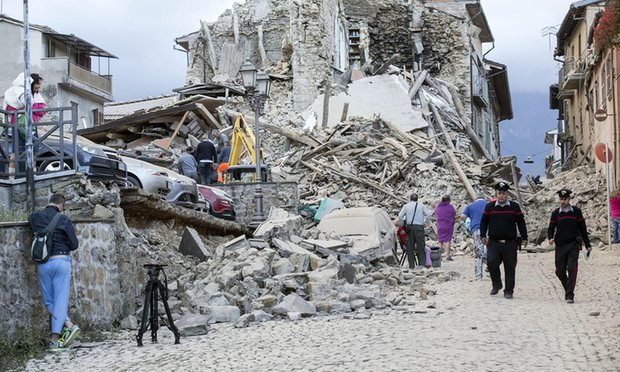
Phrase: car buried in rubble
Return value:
(369, 228)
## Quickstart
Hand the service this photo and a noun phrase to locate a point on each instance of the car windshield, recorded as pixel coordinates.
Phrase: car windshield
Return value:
(349, 225)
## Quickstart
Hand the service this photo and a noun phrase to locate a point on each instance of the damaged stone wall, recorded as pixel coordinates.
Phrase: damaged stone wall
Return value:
(102, 275)
(272, 15)
(446, 47)
(389, 34)
(284, 195)
(106, 264)
(312, 36)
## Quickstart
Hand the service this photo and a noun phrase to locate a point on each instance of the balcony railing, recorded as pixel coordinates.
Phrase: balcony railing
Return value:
(571, 74)
(90, 78)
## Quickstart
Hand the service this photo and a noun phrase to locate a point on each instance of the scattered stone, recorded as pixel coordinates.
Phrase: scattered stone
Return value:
(192, 325)
(294, 303)
(594, 313)
(129, 322)
(244, 320)
(192, 245)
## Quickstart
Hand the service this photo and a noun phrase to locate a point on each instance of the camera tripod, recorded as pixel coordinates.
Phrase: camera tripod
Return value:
(150, 314)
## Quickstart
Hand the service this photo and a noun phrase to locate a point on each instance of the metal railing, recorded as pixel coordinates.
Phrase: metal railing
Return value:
(90, 78)
(54, 142)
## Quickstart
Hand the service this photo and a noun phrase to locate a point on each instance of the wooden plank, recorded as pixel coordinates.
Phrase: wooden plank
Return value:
(387, 64)
(418, 84)
(289, 134)
(515, 180)
(362, 181)
(345, 112)
(164, 143)
(439, 121)
(207, 115)
(461, 174)
(326, 96)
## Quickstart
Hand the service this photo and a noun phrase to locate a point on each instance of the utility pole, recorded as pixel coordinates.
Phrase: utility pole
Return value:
(28, 109)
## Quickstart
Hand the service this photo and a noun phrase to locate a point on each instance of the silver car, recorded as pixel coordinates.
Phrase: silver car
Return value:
(148, 177)
(175, 188)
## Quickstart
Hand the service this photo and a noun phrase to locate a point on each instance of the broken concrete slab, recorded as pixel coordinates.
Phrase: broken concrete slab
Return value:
(384, 95)
(279, 223)
(192, 245)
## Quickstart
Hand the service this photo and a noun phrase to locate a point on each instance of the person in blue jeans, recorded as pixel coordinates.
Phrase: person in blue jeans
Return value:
(55, 274)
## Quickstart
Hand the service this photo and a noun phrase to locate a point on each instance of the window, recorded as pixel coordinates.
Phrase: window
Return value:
(340, 46)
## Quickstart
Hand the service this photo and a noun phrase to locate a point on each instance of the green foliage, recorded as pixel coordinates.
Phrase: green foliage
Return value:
(9, 215)
(27, 342)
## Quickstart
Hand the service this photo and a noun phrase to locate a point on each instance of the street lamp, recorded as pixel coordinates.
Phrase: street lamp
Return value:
(257, 86)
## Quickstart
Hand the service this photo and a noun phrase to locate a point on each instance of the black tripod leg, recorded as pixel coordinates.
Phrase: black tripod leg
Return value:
(145, 312)
(170, 322)
(154, 314)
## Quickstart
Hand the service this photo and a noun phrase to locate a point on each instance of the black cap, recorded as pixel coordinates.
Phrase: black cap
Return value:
(564, 193)
(502, 186)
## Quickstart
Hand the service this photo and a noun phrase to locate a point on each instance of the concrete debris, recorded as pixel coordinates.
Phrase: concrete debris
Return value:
(192, 325)
(191, 244)
(384, 96)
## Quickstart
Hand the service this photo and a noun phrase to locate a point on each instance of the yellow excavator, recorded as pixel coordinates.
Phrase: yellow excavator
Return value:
(242, 143)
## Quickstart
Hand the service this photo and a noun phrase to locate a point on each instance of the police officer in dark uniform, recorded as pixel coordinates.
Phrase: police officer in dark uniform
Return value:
(566, 228)
(498, 231)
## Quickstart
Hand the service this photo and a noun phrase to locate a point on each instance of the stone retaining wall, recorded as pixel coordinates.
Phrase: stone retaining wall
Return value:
(283, 195)
(99, 272)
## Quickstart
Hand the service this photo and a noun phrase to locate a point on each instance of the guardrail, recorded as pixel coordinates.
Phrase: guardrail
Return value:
(55, 132)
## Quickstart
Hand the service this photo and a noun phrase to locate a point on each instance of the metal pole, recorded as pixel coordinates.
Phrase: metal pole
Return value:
(28, 102)
(608, 208)
(259, 216)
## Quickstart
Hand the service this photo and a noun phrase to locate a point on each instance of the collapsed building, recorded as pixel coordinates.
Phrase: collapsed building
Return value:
(371, 100)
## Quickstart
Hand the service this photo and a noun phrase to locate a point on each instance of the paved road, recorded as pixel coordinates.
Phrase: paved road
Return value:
(464, 329)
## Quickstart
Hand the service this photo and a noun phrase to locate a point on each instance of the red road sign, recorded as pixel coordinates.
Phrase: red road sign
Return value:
(603, 153)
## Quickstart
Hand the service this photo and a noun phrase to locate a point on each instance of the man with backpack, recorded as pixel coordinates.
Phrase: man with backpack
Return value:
(54, 269)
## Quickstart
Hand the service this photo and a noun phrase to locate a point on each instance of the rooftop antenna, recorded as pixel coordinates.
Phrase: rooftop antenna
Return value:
(548, 31)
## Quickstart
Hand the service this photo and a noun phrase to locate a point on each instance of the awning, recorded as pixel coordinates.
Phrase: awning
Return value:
(80, 45)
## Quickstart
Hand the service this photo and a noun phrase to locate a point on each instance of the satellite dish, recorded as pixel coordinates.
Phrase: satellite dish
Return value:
(603, 153)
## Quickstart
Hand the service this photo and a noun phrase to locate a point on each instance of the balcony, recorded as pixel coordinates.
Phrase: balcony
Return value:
(78, 79)
(571, 75)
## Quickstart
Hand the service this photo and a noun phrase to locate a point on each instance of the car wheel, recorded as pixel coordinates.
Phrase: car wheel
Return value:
(54, 166)
(133, 181)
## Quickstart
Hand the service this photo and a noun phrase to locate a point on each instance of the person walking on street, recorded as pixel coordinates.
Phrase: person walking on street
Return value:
(474, 212)
(413, 216)
(500, 221)
(55, 274)
(445, 215)
(566, 227)
(614, 210)
(206, 156)
(187, 163)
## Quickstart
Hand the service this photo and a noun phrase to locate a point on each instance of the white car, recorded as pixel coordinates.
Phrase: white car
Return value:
(174, 187)
(148, 177)
(372, 232)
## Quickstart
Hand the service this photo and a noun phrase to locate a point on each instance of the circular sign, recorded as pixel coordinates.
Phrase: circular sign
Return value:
(600, 115)
(603, 153)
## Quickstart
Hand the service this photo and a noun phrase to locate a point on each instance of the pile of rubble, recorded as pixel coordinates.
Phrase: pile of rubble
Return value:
(277, 274)
(589, 194)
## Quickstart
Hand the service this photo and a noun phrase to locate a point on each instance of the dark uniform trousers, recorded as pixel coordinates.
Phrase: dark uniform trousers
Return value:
(497, 253)
(566, 259)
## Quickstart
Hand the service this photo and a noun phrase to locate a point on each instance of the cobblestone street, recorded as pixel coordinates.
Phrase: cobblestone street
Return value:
(461, 328)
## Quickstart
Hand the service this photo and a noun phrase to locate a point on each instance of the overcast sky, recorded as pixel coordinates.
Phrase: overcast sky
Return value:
(142, 32)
